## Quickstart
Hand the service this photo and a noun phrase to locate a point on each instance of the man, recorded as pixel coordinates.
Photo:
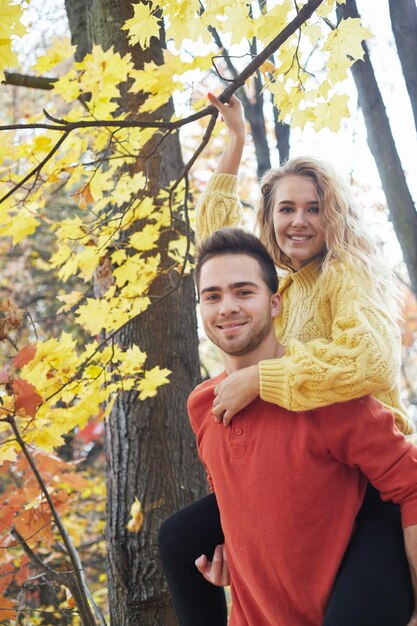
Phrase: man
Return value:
(288, 485)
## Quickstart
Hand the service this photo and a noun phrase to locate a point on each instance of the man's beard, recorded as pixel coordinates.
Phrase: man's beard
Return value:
(245, 344)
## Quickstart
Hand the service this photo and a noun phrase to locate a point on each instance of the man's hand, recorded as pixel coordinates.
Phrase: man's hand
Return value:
(215, 571)
(235, 392)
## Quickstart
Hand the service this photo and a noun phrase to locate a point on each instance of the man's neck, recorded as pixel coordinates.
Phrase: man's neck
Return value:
(268, 349)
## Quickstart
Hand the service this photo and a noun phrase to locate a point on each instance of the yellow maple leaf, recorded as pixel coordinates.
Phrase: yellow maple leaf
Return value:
(269, 25)
(8, 58)
(238, 22)
(146, 239)
(10, 23)
(346, 40)
(178, 249)
(60, 50)
(152, 379)
(133, 360)
(143, 25)
(329, 114)
(69, 300)
(23, 224)
(137, 272)
(94, 315)
(313, 32)
(325, 8)
(300, 117)
(68, 86)
(136, 517)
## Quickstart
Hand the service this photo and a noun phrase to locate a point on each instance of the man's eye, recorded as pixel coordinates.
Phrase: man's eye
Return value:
(245, 292)
(212, 298)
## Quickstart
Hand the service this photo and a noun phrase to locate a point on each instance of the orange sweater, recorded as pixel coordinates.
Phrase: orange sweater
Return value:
(289, 486)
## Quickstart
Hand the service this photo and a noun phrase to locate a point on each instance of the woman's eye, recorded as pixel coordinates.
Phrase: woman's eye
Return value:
(314, 209)
(285, 209)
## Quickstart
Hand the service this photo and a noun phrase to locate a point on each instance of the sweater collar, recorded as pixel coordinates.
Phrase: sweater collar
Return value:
(303, 280)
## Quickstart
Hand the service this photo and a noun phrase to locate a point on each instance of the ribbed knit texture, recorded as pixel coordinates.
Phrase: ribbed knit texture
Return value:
(339, 344)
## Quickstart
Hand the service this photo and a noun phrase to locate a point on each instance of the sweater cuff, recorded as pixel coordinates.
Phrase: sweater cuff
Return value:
(222, 183)
(272, 381)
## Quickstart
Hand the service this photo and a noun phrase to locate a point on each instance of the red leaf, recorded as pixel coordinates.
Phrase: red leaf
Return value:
(27, 397)
(92, 432)
(7, 574)
(6, 609)
(24, 356)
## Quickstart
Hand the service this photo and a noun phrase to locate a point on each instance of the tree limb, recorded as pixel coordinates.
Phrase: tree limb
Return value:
(25, 80)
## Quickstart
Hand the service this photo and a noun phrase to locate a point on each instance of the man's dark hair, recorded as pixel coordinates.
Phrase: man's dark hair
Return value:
(236, 241)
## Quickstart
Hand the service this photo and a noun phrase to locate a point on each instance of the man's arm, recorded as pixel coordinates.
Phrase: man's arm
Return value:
(410, 542)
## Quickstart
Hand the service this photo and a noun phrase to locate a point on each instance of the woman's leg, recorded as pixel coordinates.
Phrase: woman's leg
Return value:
(183, 537)
(373, 586)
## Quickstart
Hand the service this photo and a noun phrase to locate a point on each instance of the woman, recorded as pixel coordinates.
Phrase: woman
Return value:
(337, 323)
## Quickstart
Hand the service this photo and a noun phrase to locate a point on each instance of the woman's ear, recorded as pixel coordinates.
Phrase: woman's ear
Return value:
(275, 304)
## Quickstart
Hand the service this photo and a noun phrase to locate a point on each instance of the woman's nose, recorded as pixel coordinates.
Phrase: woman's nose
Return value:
(299, 219)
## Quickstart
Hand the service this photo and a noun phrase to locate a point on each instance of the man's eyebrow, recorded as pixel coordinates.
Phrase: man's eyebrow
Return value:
(238, 285)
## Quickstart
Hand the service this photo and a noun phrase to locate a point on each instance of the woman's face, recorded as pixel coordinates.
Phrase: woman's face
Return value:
(296, 219)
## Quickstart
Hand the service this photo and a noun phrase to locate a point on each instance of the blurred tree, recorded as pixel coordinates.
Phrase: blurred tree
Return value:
(382, 145)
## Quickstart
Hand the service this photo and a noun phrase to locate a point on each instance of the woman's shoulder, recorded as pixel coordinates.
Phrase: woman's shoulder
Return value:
(344, 274)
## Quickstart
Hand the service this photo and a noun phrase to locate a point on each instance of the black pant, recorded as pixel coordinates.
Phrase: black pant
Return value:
(373, 586)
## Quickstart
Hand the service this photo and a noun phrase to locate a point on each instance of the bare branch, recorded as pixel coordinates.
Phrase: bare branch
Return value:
(32, 82)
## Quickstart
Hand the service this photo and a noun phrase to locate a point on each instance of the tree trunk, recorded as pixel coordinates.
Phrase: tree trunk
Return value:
(404, 26)
(282, 135)
(381, 143)
(150, 447)
(254, 112)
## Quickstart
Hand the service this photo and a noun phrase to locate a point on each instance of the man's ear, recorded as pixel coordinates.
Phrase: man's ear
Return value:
(275, 305)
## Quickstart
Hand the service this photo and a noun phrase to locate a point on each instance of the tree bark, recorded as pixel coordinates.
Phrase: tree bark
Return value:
(404, 26)
(382, 145)
(282, 135)
(150, 447)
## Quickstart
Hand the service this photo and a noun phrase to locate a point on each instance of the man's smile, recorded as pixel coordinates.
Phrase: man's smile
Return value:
(230, 326)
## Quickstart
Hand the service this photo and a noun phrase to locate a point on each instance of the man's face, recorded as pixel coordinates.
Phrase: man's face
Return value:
(236, 306)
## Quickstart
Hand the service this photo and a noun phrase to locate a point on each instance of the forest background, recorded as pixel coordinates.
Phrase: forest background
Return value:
(106, 143)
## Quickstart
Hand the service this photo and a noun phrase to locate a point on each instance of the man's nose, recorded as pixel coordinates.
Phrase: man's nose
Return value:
(229, 305)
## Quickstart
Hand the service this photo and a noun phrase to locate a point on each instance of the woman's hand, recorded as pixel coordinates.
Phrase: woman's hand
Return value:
(232, 114)
(235, 392)
(215, 571)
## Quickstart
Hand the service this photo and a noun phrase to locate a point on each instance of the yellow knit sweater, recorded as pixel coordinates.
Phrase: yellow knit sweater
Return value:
(339, 344)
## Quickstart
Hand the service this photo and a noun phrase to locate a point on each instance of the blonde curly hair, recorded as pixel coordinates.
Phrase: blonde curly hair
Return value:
(346, 238)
